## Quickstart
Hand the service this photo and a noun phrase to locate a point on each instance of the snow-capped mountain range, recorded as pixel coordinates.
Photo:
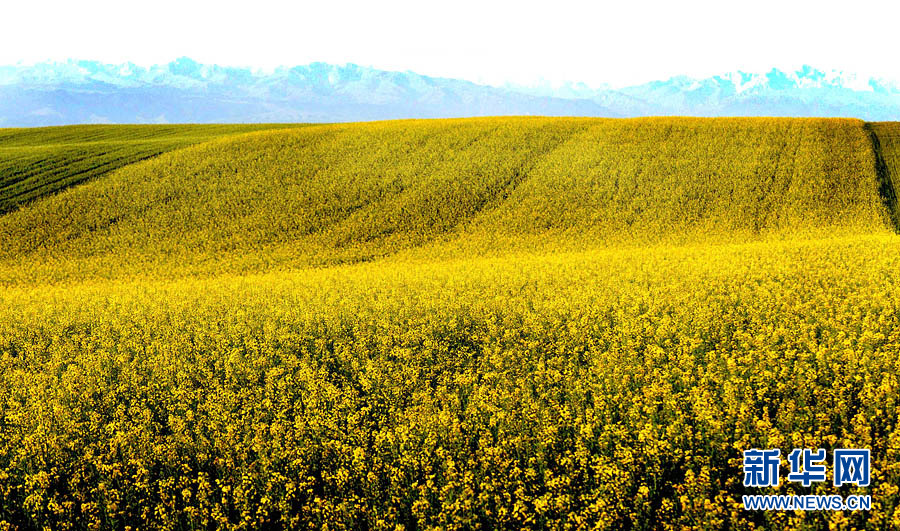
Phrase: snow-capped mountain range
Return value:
(187, 91)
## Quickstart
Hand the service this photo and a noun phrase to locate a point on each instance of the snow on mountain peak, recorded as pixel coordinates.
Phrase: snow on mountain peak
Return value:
(331, 92)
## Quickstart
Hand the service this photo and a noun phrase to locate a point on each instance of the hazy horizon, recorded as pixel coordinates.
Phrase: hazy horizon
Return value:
(537, 82)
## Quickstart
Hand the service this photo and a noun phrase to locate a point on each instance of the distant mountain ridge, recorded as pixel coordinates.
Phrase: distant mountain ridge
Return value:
(187, 91)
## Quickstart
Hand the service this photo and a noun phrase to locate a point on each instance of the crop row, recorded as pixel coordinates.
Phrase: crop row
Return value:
(39, 162)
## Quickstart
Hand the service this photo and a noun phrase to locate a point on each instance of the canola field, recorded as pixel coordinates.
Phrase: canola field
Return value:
(541, 323)
(36, 162)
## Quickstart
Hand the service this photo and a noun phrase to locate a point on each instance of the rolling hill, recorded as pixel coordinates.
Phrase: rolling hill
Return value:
(497, 323)
(344, 193)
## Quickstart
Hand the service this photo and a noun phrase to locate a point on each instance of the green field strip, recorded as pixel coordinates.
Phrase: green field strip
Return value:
(70, 177)
(886, 147)
(42, 161)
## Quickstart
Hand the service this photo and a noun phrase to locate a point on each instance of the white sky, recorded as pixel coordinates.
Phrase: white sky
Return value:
(620, 42)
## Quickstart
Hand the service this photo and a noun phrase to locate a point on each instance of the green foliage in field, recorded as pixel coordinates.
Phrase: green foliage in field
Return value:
(886, 140)
(38, 162)
(495, 323)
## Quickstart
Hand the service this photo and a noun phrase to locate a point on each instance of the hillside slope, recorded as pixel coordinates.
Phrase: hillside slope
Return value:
(351, 192)
(652, 298)
(42, 161)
